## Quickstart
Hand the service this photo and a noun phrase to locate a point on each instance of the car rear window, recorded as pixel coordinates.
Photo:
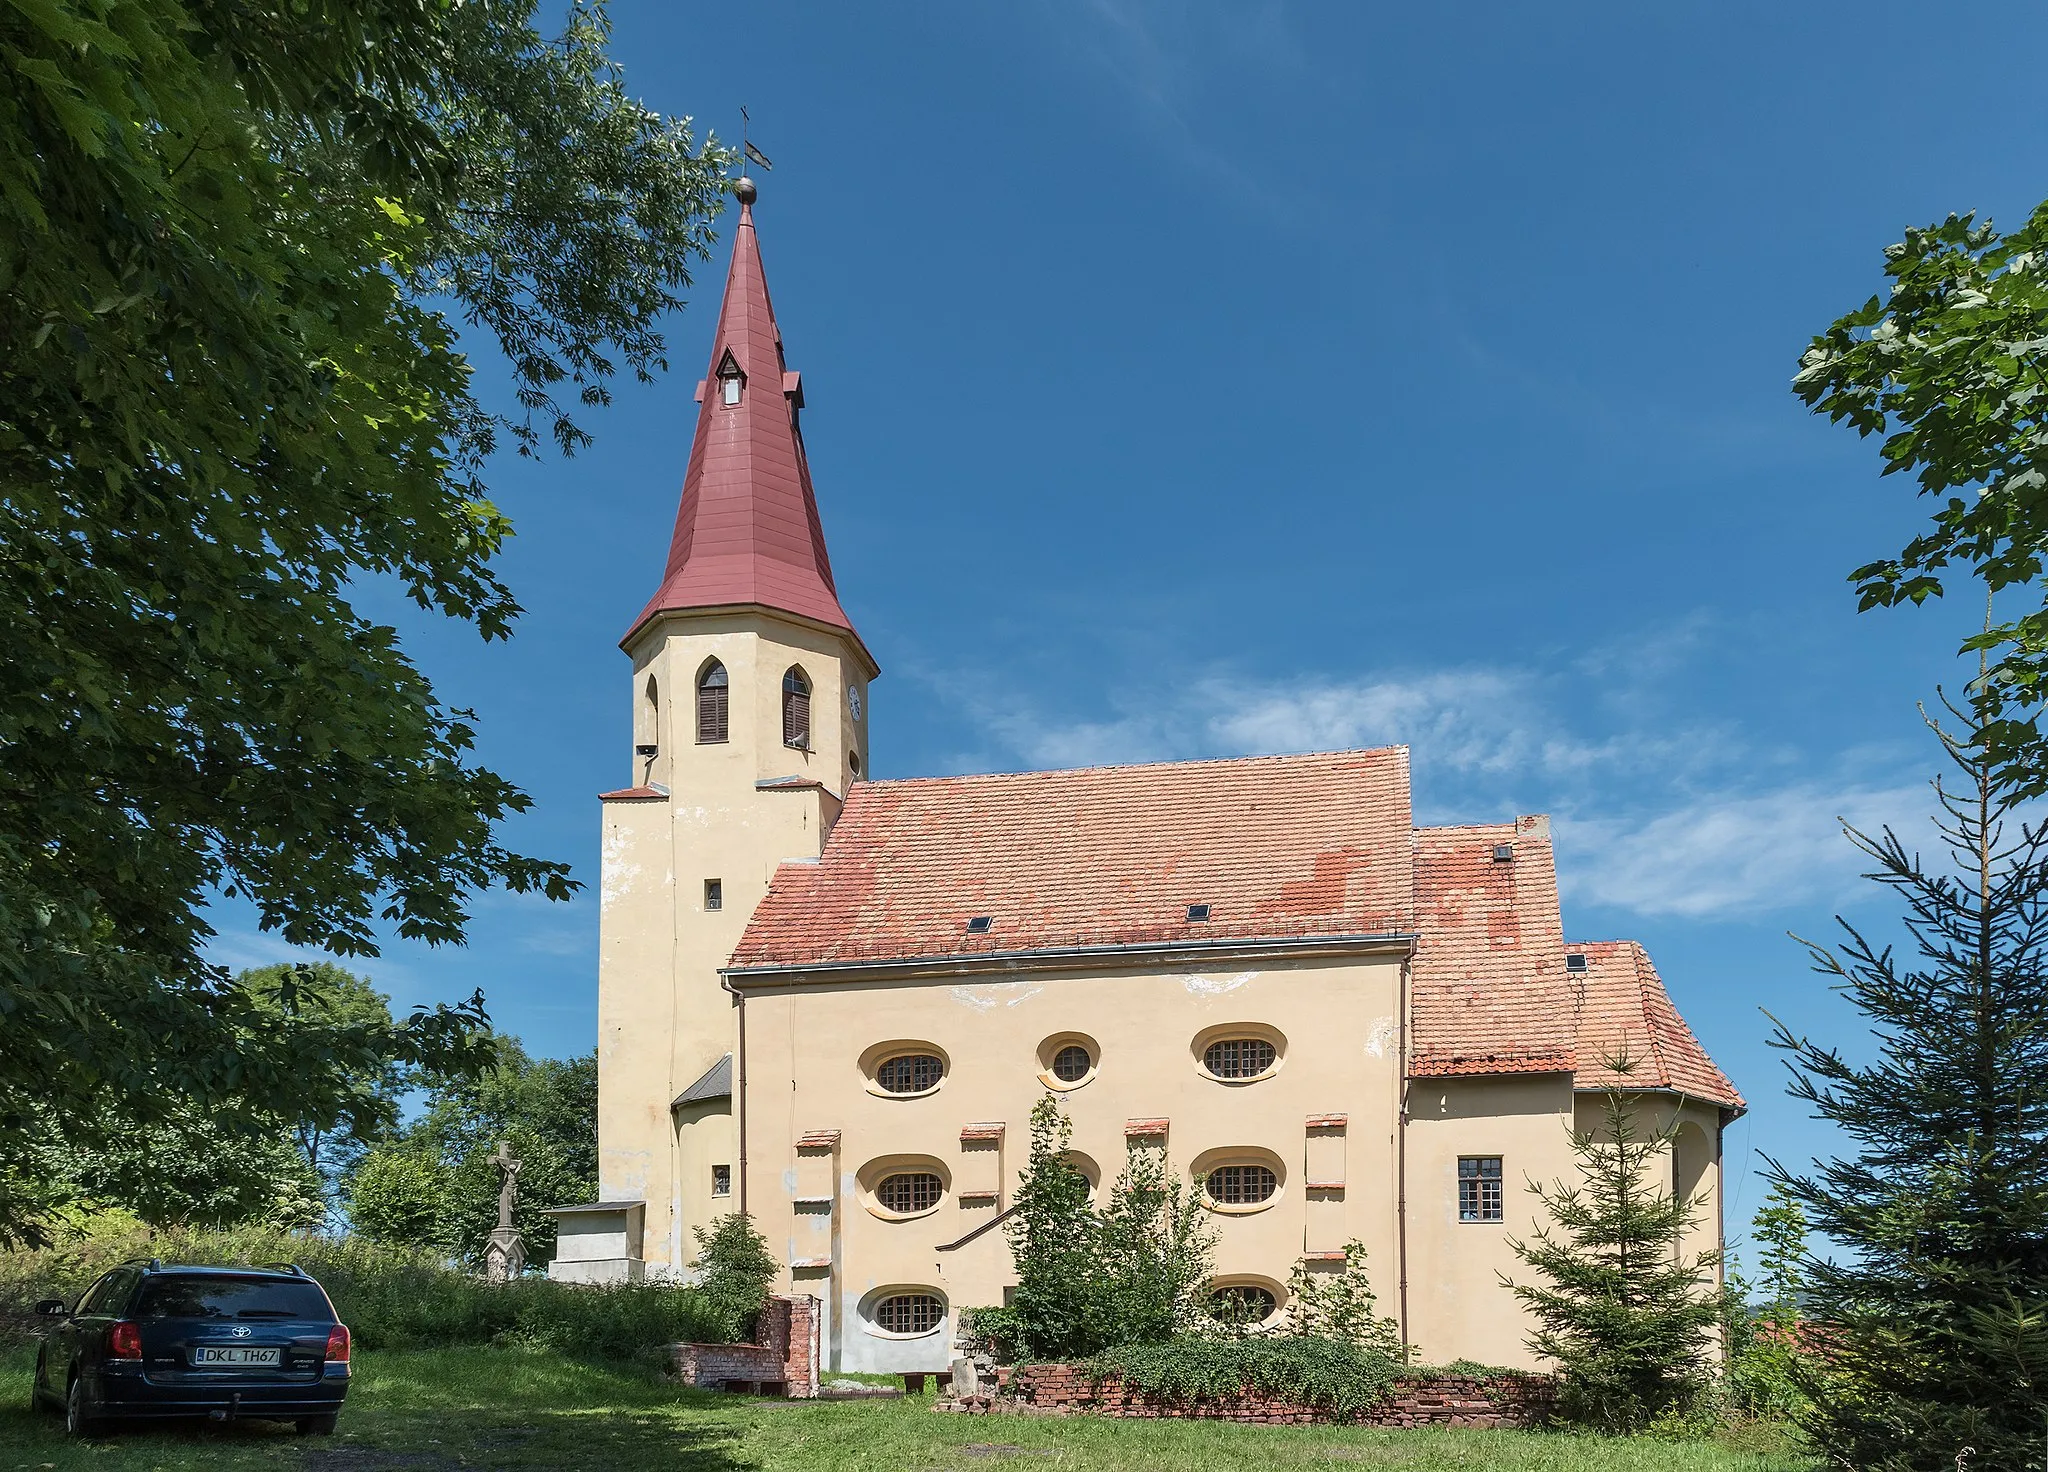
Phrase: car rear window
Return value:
(213, 1297)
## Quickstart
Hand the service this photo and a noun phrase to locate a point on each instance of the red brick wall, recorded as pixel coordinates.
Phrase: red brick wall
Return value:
(1417, 1400)
(786, 1353)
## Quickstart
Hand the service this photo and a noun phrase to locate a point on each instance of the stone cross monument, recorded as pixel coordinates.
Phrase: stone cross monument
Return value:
(505, 1257)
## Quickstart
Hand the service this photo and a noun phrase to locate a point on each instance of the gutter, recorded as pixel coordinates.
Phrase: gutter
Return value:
(739, 1084)
(776, 974)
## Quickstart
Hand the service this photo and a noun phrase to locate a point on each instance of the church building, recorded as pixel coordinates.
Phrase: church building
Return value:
(832, 1002)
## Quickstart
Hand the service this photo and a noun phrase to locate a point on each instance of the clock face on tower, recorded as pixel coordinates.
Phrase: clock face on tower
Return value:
(853, 700)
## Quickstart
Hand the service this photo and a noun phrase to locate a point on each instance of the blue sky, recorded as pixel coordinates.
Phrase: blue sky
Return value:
(1209, 378)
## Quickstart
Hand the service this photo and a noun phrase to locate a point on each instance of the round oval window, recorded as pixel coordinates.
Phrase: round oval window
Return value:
(1071, 1063)
(910, 1073)
(1239, 1057)
(1243, 1303)
(910, 1191)
(909, 1313)
(1241, 1185)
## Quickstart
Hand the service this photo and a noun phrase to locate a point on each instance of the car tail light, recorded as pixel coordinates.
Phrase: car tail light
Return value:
(337, 1345)
(124, 1342)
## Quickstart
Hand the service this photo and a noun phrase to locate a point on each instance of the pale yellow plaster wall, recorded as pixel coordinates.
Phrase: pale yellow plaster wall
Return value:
(1691, 1167)
(806, 1047)
(1457, 1306)
(663, 1018)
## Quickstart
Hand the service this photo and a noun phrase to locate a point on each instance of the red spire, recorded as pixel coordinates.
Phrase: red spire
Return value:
(747, 531)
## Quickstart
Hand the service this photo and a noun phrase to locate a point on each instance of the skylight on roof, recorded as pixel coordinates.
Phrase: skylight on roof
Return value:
(1198, 912)
(1575, 962)
(979, 924)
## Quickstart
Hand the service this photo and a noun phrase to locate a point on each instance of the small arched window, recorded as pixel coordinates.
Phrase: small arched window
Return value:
(796, 710)
(713, 706)
(909, 1313)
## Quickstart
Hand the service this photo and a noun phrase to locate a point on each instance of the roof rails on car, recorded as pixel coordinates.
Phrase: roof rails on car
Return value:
(287, 1267)
(153, 1264)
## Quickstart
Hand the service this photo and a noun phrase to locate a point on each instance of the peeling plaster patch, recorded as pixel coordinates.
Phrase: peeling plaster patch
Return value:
(1380, 1036)
(988, 995)
(616, 875)
(789, 1182)
(1214, 984)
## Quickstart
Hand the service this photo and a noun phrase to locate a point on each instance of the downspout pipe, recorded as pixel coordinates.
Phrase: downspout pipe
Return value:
(739, 1084)
(1401, 1155)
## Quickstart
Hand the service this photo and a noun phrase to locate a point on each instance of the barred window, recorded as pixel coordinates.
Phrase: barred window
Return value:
(796, 710)
(911, 1191)
(909, 1313)
(910, 1073)
(712, 705)
(1479, 1198)
(1242, 1303)
(1071, 1063)
(1241, 1185)
(721, 1180)
(1239, 1057)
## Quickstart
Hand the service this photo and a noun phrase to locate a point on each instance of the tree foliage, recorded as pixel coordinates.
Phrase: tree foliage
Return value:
(1135, 1270)
(734, 1270)
(1619, 1307)
(1341, 1306)
(434, 1183)
(1932, 1318)
(230, 240)
(1950, 369)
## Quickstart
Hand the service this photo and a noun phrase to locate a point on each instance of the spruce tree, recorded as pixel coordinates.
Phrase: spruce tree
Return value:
(1931, 1320)
(1619, 1307)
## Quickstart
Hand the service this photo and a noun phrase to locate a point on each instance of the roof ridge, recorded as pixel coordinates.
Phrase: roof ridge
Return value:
(1171, 762)
(1639, 959)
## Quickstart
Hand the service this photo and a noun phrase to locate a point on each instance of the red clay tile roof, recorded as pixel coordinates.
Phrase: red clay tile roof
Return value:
(1626, 1010)
(747, 531)
(1489, 984)
(1279, 847)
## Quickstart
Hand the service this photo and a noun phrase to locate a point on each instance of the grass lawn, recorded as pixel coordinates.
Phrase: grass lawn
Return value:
(429, 1411)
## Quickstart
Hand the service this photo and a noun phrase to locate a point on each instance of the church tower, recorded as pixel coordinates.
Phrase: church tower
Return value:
(749, 696)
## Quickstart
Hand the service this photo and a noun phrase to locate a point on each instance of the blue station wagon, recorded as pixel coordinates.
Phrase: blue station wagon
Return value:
(156, 1340)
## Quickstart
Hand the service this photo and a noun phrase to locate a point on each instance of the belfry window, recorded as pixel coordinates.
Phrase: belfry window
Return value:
(713, 705)
(730, 381)
(796, 710)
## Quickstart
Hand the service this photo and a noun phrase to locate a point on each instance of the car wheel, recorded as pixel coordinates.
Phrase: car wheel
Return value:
(79, 1419)
(316, 1425)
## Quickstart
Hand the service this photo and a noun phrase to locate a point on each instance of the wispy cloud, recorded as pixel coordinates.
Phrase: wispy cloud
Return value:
(1732, 853)
(1662, 811)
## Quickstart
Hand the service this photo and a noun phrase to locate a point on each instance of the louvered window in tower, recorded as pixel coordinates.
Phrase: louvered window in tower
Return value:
(712, 704)
(796, 710)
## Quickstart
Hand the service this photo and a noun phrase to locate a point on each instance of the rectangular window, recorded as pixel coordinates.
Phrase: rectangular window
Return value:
(714, 894)
(721, 1180)
(1479, 1198)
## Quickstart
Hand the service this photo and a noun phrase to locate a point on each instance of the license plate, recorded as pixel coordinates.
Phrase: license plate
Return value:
(234, 1354)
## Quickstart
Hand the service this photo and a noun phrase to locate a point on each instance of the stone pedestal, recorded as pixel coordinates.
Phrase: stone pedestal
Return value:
(505, 1257)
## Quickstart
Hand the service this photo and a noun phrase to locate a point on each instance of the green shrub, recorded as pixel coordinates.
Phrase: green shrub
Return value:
(1326, 1374)
(734, 1269)
(391, 1297)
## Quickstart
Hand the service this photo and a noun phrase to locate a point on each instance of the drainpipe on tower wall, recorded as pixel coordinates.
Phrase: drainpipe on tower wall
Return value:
(739, 1084)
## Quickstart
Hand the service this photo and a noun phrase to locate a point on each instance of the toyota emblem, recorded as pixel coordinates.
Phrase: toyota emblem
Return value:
(240, 1331)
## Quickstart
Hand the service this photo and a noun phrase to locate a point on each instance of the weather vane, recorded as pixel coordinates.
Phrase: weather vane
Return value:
(749, 152)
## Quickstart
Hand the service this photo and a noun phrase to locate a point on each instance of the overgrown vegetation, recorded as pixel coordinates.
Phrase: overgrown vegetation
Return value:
(1620, 1308)
(405, 1298)
(1933, 1313)
(1341, 1306)
(1138, 1269)
(1762, 1319)
(1332, 1376)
